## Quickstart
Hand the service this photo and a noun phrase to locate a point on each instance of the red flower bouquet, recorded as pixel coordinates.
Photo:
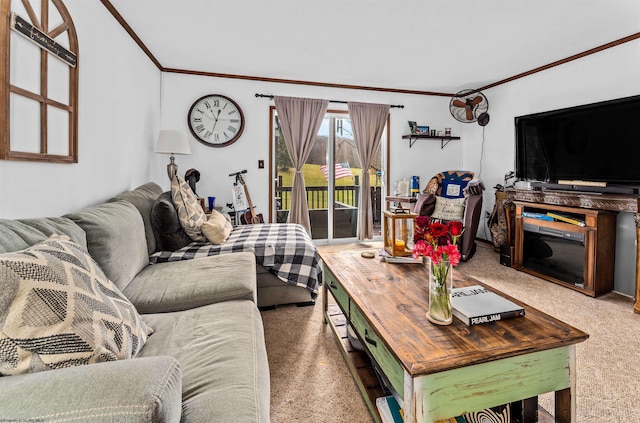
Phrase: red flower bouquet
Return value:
(437, 241)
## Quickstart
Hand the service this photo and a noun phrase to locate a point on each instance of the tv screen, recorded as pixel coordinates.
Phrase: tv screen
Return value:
(596, 142)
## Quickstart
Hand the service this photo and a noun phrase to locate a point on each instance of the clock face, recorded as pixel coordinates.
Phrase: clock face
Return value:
(216, 120)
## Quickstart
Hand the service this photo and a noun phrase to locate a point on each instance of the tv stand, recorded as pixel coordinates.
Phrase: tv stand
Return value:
(584, 255)
(587, 200)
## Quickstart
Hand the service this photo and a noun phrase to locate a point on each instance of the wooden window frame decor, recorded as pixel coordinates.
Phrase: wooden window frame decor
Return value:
(37, 30)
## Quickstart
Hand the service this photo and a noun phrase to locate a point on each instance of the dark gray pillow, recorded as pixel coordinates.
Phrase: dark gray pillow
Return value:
(166, 226)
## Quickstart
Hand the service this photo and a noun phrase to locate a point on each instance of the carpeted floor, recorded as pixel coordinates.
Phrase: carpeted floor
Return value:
(310, 381)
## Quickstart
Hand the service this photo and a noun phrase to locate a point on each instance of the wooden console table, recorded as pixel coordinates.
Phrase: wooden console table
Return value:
(444, 371)
(588, 200)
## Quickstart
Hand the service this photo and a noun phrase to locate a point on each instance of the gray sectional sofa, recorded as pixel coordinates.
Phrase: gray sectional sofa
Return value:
(206, 359)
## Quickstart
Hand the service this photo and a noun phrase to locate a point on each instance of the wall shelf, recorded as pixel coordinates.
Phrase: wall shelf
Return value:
(444, 140)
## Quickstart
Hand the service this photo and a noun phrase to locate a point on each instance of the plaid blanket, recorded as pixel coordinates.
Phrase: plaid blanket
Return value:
(285, 249)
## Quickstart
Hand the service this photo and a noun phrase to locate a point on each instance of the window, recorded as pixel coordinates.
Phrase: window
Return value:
(332, 191)
(39, 93)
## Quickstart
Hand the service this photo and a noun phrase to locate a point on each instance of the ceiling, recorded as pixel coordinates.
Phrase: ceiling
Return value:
(424, 45)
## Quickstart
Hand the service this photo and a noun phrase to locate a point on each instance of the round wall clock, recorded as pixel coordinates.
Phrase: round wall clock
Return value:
(216, 120)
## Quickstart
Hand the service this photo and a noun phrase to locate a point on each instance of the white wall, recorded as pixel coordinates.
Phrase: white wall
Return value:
(610, 74)
(424, 159)
(118, 120)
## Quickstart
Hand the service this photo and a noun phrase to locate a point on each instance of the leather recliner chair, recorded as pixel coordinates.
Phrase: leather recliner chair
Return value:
(472, 192)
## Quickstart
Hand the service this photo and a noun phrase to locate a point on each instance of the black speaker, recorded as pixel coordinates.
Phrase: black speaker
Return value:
(505, 255)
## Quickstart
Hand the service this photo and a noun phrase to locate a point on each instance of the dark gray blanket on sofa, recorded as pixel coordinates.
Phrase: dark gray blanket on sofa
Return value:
(283, 248)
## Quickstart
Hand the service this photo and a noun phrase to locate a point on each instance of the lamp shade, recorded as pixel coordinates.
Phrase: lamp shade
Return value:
(172, 142)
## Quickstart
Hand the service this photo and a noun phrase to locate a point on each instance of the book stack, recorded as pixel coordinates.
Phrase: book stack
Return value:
(565, 218)
(476, 304)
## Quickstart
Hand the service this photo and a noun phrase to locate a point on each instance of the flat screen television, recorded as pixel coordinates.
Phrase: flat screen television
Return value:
(581, 147)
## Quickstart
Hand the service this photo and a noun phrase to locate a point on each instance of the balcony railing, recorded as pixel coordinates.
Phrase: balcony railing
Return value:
(344, 197)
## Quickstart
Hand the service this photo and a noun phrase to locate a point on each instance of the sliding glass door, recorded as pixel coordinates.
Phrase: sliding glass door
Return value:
(332, 176)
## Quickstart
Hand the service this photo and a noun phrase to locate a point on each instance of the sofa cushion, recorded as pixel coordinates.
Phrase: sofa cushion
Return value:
(448, 209)
(222, 355)
(143, 198)
(217, 228)
(185, 284)
(115, 239)
(190, 211)
(166, 226)
(142, 390)
(58, 309)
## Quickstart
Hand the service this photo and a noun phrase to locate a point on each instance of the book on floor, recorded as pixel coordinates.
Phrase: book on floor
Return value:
(390, 411)
(476, 304)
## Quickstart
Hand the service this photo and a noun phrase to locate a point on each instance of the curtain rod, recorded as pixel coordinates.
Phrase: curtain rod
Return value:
(399, 106)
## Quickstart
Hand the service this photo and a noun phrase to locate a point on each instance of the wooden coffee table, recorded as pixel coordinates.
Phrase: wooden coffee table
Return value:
(445, 371)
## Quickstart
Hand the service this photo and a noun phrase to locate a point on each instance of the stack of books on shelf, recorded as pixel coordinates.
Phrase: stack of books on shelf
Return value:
(565, 218)
(552, 217)
(476, 304)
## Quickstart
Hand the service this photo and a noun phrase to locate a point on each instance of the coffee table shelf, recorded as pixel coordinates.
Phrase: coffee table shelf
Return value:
(358, 362)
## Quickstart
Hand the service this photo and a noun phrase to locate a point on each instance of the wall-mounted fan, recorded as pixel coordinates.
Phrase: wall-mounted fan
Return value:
(470, 106)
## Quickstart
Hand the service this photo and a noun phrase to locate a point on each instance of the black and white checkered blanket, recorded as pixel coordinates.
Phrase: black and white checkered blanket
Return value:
(285, 249)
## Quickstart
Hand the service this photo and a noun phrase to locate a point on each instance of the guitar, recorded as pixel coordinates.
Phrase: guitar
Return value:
(249, 217)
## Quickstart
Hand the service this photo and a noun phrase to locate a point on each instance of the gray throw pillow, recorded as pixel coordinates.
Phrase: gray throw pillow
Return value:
(58, 309)
(166, 226)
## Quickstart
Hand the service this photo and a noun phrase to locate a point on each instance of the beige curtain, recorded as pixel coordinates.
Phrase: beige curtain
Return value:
(301, 119)
(367, 122)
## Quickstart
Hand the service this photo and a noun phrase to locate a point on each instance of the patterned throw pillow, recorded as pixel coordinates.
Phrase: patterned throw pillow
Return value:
(190, 211)
(453, 189)
(448, 209)
(58, 309)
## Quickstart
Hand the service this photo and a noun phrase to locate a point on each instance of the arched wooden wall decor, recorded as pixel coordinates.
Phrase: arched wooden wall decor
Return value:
(39, 82)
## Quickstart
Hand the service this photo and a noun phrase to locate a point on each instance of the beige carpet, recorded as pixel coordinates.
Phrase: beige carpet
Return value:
(310, 381)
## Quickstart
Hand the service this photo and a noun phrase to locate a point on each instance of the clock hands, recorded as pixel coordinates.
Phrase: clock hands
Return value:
(216, 120)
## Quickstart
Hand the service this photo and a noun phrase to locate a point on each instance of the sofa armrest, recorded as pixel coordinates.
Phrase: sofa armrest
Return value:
(136, 390)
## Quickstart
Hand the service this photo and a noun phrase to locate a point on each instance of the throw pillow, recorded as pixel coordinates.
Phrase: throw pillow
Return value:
(166, 226)
(58, 309)
(217, 228)
(453, 188)
(190, 211)
(448, 209)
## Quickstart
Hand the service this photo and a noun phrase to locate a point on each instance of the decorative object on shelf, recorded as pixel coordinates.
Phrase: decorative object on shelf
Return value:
(172, 142)
(415, 186)
(215, 120)
(422, 130)
(398, 233)
(470, 106)
(413, 127)
(437, 242)
(401, 188)
(447, 132)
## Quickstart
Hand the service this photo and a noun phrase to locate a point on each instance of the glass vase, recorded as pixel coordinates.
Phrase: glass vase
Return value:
(440, 284)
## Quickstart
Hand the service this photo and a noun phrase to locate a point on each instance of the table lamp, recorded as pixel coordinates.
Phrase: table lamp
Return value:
(172, 142)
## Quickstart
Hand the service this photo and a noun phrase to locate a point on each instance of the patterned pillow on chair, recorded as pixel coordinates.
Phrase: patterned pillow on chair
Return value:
(58, 309)
(448, 209)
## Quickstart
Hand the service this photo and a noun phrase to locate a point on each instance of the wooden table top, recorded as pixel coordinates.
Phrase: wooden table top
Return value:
(394, 299)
